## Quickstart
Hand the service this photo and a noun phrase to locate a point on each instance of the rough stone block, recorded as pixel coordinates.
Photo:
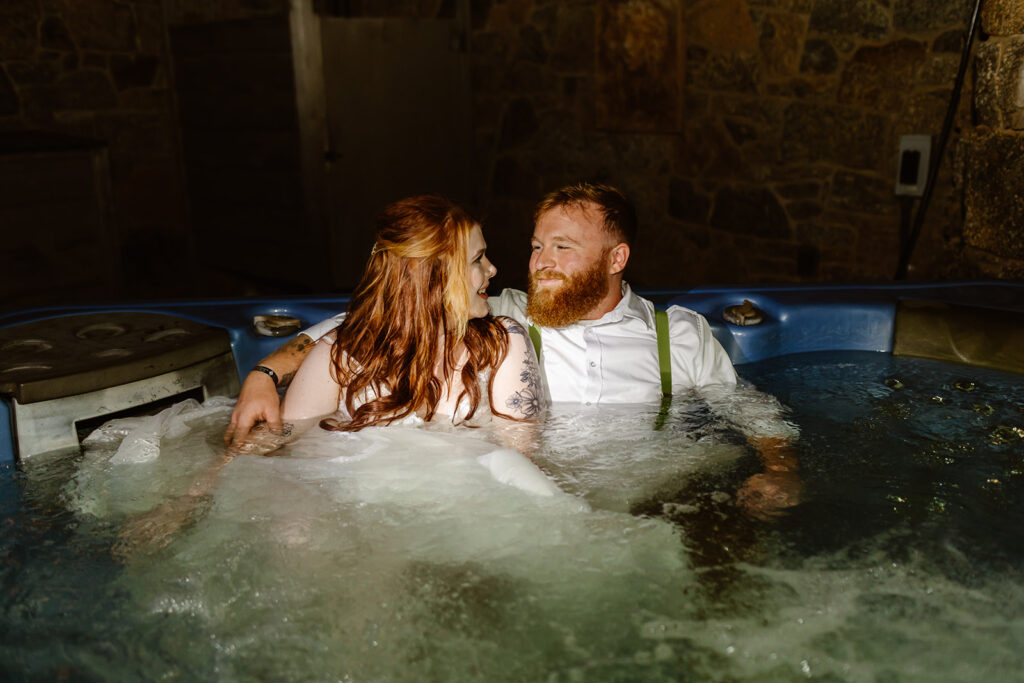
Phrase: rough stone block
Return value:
(950, 41)
(799, 190)
(841, 135)
(817, 89)
(80, 90)
(639, 68)
(706, 150)
(986, 97)
(101, 25)
(758, 110)
(923, 113)
(862, 18)
(940, 69)
(878, 77)
(985, 265)
(750, 211)
(916, 16)
(803, 210)
(782, 39)
(721, 24)
(835, 242)
(993, 194)
(722, 71)
(861, 193)
(1003, 17)
(53, 35)
(574, 42)
(819, 58)
(25, 74)
(999, 74)
(740, 131)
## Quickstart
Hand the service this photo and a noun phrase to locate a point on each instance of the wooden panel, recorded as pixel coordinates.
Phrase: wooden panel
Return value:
(241, 150)
(399, 121)
(53, 215)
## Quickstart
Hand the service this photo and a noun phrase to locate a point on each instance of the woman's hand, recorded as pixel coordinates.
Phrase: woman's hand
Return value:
(257, 402)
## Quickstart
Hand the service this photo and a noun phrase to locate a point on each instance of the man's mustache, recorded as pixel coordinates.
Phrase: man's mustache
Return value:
(548, 275)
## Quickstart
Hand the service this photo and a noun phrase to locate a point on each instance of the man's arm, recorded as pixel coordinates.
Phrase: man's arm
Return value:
(758, 416)
(779, 487)
(258, 400)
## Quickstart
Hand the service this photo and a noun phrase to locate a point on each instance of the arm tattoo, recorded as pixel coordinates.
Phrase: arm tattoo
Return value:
(528, 400)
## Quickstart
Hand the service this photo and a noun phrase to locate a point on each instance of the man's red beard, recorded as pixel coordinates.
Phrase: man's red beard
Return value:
(567, 304)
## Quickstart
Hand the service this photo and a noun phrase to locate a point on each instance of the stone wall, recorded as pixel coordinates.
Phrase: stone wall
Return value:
(993, 151)
(781, 162)
(99, 70)
(757, 137)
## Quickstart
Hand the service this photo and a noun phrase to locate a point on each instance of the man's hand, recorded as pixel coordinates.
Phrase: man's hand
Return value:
(257, 402)
(779, 487)
(768, 494)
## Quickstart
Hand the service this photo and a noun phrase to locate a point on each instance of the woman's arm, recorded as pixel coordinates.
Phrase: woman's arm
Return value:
(517, 390)
(258, 400)
(314, 392)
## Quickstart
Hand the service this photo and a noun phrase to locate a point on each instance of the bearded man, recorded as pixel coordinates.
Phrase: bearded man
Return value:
(598, 340)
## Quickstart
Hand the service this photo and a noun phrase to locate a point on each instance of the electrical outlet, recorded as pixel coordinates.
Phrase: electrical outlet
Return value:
(913, 164)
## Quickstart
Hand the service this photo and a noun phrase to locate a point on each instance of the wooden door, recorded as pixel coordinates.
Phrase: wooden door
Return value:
(399, 123)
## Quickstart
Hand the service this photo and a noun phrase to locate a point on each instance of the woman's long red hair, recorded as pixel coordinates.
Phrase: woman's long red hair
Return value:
(408, 315)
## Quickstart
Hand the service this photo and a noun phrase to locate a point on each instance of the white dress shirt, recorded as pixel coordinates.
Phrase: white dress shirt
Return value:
(615, 359)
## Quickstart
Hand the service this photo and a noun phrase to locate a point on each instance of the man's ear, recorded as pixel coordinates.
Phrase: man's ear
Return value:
(617, 258)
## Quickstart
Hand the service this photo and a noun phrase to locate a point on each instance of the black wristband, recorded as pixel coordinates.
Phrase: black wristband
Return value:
(267, 371)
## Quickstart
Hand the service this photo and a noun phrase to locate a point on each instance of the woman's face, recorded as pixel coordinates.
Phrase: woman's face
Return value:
(479, 271)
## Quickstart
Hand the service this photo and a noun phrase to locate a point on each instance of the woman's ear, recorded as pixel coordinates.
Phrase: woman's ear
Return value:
(617, 258)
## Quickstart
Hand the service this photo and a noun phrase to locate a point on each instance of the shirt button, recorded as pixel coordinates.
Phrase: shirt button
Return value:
(593, 364)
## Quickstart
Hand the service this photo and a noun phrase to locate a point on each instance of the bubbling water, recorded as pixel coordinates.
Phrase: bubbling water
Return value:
(392, 554)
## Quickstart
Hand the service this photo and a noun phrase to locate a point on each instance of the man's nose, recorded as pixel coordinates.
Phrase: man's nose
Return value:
(542, 259)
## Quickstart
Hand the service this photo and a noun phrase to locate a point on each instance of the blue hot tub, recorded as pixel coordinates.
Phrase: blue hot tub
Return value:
(393, 555)
(185, 344)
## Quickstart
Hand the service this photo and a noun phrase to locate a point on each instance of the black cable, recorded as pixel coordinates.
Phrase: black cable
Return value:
(940, 147)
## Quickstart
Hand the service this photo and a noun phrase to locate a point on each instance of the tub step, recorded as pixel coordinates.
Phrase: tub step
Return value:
(59, 371)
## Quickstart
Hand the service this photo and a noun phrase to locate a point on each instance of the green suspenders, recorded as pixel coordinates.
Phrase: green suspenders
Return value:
(664, 354)
(535, 338)
(664, 366)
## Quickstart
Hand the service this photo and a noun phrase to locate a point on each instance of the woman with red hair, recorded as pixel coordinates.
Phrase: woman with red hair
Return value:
(418, 339)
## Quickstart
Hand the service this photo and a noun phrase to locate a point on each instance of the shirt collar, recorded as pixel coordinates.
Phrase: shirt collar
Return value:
(629, 306)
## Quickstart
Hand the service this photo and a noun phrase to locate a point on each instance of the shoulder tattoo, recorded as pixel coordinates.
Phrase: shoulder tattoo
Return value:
(528, 399)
